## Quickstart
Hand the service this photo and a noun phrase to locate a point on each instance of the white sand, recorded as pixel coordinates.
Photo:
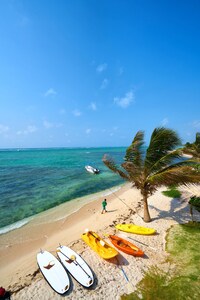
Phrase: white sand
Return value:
(18, 267)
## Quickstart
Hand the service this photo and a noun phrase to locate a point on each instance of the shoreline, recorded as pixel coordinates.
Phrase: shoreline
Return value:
(18, 266)
(40, 228)
(60, 211)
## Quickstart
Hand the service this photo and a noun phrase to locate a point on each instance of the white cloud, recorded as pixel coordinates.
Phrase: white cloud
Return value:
(29, 129)
(93, 106)
(121, 71)
(104, 84)
(101, 68)
(50, 92)
(77, 113)
(31, 108)
(47, 124)
(58, 125)
(188, 133)
(3, 129)
(125, 101)
(165, 121)
(88, 131)
(62, 111)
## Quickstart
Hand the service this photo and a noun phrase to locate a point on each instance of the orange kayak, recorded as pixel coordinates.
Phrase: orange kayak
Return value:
(125, 246)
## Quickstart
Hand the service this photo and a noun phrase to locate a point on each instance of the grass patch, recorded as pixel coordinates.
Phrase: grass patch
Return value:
(172, 192)
(182, 282)
(195, 202)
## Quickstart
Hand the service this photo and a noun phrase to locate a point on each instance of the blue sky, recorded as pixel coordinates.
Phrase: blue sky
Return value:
(89, 73)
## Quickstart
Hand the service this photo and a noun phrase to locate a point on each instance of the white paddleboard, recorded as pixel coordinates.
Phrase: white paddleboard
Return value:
(76, 266)
(53, 272)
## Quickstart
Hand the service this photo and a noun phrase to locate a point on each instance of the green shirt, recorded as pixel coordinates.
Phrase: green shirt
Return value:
(104, 203)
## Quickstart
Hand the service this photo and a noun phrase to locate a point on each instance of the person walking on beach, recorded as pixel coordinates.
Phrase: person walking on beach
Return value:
(104, 203)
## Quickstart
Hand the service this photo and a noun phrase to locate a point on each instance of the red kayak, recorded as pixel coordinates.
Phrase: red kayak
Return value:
(125, 246)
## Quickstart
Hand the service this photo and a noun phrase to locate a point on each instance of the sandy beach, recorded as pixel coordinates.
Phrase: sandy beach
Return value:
(20, 274)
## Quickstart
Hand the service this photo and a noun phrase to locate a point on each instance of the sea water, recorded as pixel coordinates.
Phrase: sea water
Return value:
(34, 180)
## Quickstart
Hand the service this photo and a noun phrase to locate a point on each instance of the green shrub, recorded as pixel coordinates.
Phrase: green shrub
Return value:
(195, 201)
(172, 192)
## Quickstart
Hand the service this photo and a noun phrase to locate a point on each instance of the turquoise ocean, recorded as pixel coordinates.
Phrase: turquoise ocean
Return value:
(34, 180)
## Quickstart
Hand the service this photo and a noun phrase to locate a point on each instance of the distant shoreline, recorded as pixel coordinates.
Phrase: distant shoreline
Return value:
(57, 148)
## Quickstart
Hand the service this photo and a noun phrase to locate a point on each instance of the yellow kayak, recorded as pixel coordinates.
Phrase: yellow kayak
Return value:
(135, 229)
(102, 248)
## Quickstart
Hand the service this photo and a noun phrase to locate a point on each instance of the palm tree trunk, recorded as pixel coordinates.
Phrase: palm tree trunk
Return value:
(191, 212)
(147, 217)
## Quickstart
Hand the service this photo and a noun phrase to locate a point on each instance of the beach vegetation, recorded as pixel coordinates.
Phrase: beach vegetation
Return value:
(193, 149)
(181, 277)
(194, 202)
(172, 192)
(161, 163)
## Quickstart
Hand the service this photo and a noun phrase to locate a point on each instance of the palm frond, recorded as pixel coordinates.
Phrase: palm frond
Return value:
(193, 189)
(110, 163)
(189, 162)
(133, 171)
(135, 152)
(180, 175)
(163, 141)
(172, 158)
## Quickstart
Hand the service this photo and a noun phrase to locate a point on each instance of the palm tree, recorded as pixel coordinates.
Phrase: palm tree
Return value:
(160, 164)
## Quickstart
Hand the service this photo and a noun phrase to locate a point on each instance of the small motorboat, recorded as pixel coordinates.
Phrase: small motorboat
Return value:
(92, 170)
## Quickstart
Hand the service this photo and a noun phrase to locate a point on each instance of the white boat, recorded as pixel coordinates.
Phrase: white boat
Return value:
(75, 265)
(53, 272)
(92, 170)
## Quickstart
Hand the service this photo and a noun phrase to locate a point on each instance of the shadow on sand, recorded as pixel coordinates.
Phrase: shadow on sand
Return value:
(176, 212)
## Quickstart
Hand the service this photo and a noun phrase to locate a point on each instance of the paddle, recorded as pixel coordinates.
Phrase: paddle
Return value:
(129, 284)
(100, 241)
(134, 248)
(73, 259)
(70, 259)
(139, 242)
